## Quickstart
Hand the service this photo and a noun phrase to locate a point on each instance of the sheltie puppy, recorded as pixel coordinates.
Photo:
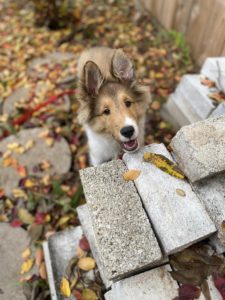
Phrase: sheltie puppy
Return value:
(112, 104)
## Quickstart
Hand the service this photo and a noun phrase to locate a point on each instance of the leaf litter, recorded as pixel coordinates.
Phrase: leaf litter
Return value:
(45, 205)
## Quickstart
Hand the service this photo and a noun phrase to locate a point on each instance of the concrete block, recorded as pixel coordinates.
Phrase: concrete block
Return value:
(109, 295)
(171, 113)
(219, 110)
(59, 250)
(211, 191)
(125, 239)
(178, 221)
(214, 69)
(156, 284)
(192, 98)
(86, 222)
(199, 148)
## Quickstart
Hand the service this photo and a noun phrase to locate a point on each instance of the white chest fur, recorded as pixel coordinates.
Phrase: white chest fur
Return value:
(102, 148)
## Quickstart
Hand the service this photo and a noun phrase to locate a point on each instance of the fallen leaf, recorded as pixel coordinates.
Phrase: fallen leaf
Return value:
(29, 183)
(13, 146)
(86, 263)
(84, 244)
(29, 144)
(25, 216)
(26, 253)
(218, 97)
(65, 288)
(39, 256)
(164, 164)
(26, 266)
(62, 221)
(209, 83)
(18, 193)
(180, 192)
(49, 141)
(88, 294)
(219, 283)
(131, 175)
(80, 252)
(42, 271)
(205, 290)
(22, 171)
(223, 225)
(189, 291)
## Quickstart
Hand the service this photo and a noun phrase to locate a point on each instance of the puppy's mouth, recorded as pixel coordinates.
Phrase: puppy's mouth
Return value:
(130, 146)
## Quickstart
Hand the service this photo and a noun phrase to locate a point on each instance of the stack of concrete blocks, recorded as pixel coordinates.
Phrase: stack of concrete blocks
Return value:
(133, 226)
(191, 102)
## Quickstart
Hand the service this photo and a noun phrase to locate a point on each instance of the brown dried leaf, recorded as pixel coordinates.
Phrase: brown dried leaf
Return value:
(131, 175)
(223, 225)
(180, 192)
(209, 83)
(219, 97)
(42, 271)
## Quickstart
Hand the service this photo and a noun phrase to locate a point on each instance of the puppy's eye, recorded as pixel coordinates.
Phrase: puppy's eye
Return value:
(106, 111)
(128, 103)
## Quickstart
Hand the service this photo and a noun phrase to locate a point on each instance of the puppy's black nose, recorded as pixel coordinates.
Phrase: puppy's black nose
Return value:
(127, 131)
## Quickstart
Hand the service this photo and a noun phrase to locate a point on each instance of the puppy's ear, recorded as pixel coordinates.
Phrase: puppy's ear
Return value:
(122, 67)
(92, 78)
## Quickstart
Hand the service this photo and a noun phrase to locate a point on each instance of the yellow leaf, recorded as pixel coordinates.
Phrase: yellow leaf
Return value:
(45, 165)
(9, 161)
(26, 266)
(25, 216)
(164, 164)
(80, 252)
(180, 192)
(63, 220)
(29, 144)
(46, 180)
(223, 225)
(18, 193)
(26, 253)
(3, 218)
(88, 294)
(29, 183)
(44, 133)
(42, 271)
(131, 175)
(86, 263)
(19, 150)
(13, 146)
(49, 141)
(8, 203)
(65, 288)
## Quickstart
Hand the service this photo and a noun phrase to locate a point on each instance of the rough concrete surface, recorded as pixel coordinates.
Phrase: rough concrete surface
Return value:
(12, 243)
(21, 93)
(178, 221)
(199, 148)
(211, 191)
(58, 156)
(109, 295)
(156, 284)
(86, 222)
(125, 239)
(61, 249)
(192, 98)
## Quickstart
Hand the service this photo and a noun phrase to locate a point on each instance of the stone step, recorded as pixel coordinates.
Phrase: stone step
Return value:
(125, 239)
(171, 113)
(59, 250)
(178, 221)
(211, 191)
(219, 111)
(192, 98)
(109, 295)
(214, 69)
(156, 284)
(58, 156)
(85, 220)
(199, 148)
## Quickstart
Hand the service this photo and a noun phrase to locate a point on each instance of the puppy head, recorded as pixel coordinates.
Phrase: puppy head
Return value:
(114, 108)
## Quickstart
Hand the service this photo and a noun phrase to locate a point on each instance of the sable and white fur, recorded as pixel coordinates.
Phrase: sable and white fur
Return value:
(112, 104)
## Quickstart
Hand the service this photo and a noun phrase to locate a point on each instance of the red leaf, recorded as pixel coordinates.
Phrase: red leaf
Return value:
(16, 223)
(189, 292)
(84, 245)
(40, 218)
(219, 283)
(77, 294)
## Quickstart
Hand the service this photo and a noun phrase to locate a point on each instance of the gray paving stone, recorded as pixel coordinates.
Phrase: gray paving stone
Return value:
(12, 243)
(59, 250)
(219, 111)
(178, 221)
(171, 113)
(58, 156)
(109, 295)
(192, 98)
(199, 148)
(86, 222)
(156, 284)
(125, 240)
(18, 95)
(211, 191)
(214, 69)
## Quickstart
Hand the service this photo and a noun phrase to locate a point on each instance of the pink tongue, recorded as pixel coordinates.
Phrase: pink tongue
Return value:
(130, 143)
